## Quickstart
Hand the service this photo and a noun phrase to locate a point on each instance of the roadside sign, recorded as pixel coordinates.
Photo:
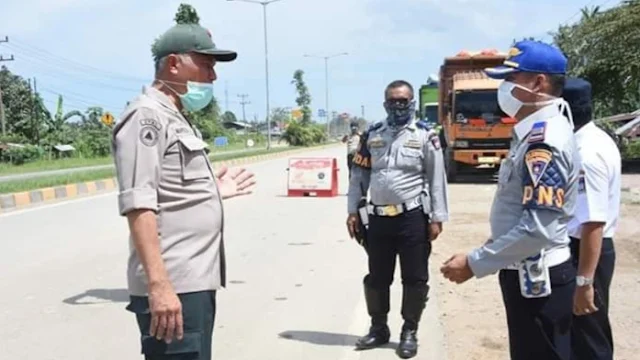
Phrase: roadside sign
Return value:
(296, 114)
(322, 113)
(312, 177)
(221, 141)
(107, 119)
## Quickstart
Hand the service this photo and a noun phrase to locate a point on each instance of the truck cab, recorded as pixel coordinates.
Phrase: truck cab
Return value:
(476, 131)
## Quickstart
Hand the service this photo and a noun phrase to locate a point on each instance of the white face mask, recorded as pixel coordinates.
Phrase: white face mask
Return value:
(511, 105)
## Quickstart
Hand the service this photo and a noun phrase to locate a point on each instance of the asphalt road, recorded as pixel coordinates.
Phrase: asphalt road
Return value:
(295, 281)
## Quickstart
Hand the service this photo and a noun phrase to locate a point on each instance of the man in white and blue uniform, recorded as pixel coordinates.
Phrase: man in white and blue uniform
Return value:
(400, 163)
(534, 201)
(592, 228)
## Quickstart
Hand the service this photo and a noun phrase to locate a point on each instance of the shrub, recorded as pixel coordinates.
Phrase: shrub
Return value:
(22, 155)
(298, 134)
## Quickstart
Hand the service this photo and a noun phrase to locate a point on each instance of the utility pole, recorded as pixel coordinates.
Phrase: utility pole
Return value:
(37, 113)
(362, 108)
(226, 95)
(326, 84)
(2, 116)
(264, 4)
(243, 102)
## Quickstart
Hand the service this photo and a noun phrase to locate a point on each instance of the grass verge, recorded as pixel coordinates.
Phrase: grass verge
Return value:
(48, 165)
(70, 163)
(92, 175)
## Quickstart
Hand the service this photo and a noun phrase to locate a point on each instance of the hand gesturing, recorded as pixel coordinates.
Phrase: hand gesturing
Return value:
(235, 182)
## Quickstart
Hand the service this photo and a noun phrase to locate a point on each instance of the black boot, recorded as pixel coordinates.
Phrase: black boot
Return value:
(378, 308)
(414, 299)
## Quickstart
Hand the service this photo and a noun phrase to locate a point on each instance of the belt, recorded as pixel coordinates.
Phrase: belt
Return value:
(552, 258)
(394, 210)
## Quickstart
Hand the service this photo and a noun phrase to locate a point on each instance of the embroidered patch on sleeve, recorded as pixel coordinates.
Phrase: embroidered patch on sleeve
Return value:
(582, 188)
(362, 156)
(435, 141)
(537, 161)
(544, 185)
(538, 132)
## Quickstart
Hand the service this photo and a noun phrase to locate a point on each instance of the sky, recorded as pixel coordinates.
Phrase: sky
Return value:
(97, 52)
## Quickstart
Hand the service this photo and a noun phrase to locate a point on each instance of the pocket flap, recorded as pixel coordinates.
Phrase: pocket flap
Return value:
(192, 143)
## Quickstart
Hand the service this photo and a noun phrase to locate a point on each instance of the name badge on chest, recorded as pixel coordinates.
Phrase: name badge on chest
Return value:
(377, 142)
(412, 144)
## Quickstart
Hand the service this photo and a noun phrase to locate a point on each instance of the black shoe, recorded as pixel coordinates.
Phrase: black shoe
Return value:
(414, 299)
(408, 346)
(378, 335)
(378, 308)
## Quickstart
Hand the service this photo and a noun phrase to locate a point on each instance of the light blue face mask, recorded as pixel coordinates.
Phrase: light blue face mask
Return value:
(197, 97)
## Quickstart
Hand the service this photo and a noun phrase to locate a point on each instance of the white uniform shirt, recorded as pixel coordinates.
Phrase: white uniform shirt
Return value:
(599, 181)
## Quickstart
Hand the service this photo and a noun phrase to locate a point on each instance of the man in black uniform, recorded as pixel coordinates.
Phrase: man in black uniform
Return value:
(402, 162)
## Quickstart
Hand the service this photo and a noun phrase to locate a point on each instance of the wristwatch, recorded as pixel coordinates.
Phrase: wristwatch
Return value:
(583, 281)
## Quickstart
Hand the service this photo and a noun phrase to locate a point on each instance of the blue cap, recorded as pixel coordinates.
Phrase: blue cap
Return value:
(577, 92)
(531, 56)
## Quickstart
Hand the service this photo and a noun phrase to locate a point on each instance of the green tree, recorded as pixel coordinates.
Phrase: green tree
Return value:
(186, 14)
(23, 110)
(604, 48)
(229, 116)
(304, 98)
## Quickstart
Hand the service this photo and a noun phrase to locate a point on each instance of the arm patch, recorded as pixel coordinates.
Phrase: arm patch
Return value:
(543, 184)
(362, 156)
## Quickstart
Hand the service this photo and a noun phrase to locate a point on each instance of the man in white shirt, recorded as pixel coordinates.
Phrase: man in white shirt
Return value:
(592, 228)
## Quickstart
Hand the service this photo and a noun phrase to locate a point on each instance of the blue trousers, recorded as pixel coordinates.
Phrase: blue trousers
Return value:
(540, 328)
(592, 338)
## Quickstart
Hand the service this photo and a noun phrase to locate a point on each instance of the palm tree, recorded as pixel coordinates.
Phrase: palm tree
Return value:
(589, 13)
(56, 123)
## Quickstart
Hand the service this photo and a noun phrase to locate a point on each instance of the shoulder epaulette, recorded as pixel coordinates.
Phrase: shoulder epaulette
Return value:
(537, 133)
(422, 124)
(375, 126)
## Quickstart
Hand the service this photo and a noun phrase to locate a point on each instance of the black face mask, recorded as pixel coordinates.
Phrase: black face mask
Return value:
(399, 111)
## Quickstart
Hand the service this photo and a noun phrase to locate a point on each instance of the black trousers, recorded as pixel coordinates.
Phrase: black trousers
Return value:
(198, 315)
(540, 328)
(591, 337)
(404, 236)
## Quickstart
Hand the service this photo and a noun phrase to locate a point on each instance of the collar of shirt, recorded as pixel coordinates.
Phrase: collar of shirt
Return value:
(161, 98)
(584, 130)
(523, 127)
(411, 126)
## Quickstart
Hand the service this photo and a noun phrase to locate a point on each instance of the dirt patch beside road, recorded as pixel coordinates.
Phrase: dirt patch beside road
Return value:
(473, 313)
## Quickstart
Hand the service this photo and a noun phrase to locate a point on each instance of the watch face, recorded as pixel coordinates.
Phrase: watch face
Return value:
(582, 281)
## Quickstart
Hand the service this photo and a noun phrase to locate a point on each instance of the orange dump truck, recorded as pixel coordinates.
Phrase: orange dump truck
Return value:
(476, 133)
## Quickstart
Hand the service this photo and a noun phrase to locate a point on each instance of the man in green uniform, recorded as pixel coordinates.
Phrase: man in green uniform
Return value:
(172, 199)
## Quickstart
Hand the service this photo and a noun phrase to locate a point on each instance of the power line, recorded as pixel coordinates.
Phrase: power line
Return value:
(244, 102)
